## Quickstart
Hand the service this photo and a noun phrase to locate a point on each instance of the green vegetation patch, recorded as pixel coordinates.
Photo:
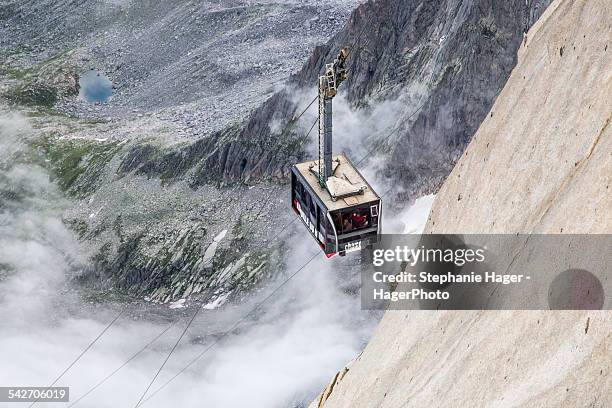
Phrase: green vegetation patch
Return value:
(14, 73)
(106, 296)
(6, 270)
(76, 165)
(77, 225)
(41, 85)
(33, 95)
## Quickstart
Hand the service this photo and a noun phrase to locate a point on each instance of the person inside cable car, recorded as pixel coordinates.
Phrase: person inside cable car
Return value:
(359, 220)
(347, 225)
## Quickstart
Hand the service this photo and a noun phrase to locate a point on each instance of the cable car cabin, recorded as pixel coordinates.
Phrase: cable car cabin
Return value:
(343, 217)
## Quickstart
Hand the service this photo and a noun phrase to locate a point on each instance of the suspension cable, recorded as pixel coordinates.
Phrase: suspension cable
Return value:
(312, 127)
(391, 133)
(235, 325)
(198, 308)
(142, 399)
(232, 328)
(92, 389)
(305, 109)
(89, 346)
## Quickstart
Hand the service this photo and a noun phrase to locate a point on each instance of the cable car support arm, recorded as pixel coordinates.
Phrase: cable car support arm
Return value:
(335, 74)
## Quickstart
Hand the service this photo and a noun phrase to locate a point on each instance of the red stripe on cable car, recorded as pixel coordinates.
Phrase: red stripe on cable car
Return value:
(294, 206)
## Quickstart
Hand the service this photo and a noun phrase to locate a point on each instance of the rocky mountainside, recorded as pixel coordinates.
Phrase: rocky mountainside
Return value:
(540, 162)
(216, 59)
(180, 71)
(444, 61)
(195, 143)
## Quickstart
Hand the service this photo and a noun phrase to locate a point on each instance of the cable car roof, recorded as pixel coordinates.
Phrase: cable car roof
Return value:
(346, 175)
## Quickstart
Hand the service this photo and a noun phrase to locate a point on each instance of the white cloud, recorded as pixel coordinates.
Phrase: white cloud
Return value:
(411, 220)
(297, 342)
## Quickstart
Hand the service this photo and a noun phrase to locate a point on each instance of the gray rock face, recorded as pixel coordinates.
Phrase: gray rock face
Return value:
(206, 64)
(560, 101)
(444, 61)
(184, 74)
(449, 58)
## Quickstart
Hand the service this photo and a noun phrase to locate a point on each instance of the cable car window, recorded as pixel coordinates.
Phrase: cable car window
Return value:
(299, 189)
(374, 210)
(307, 200)
(321, 218)
(354, 219)
(337, 218)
